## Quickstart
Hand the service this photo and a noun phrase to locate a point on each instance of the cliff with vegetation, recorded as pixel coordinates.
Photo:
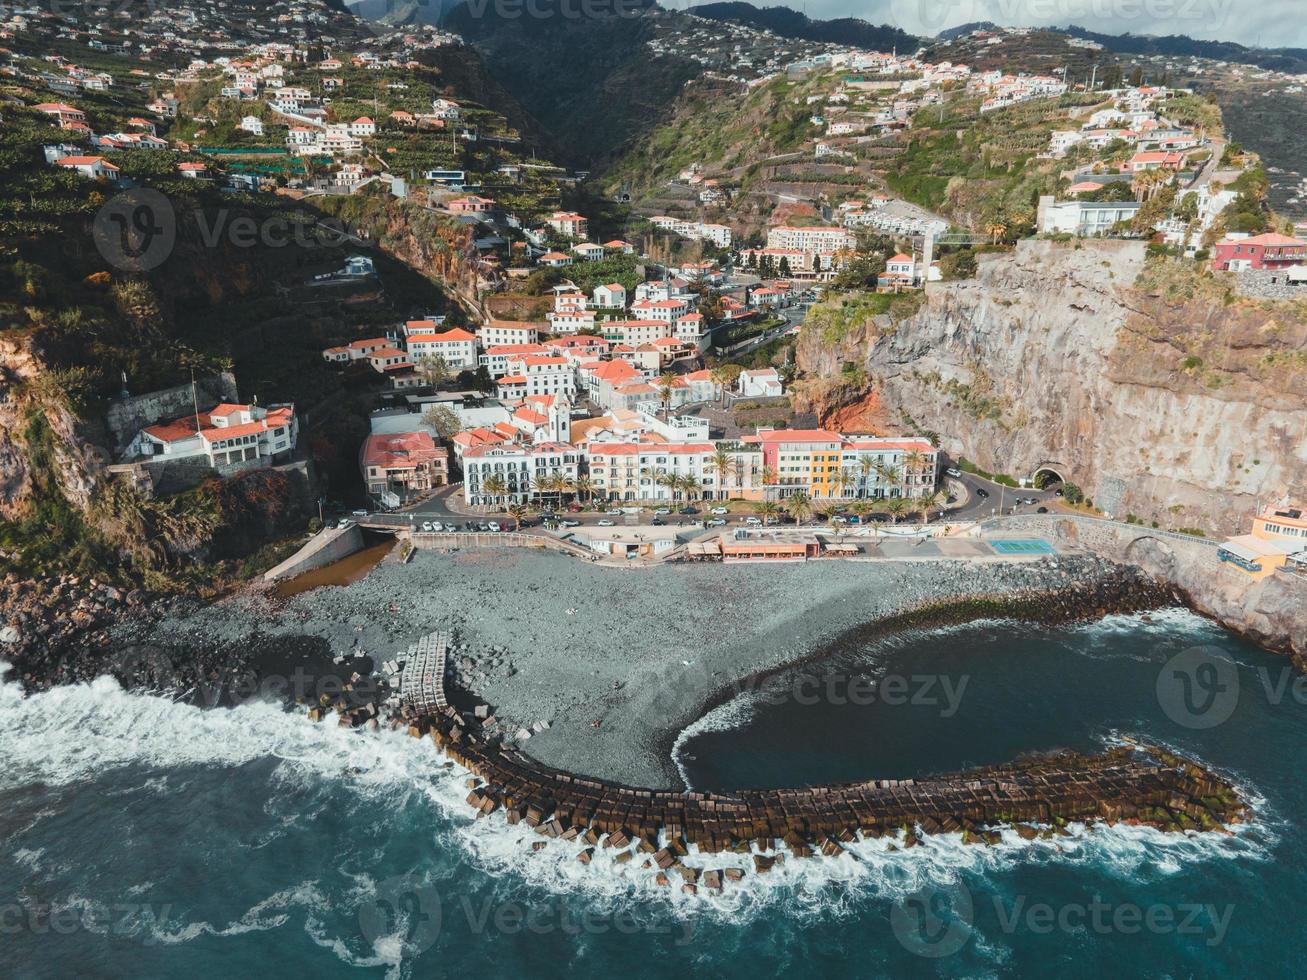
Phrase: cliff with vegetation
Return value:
(1148, 383)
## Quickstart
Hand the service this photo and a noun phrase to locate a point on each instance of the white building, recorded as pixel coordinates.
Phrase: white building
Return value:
(522, 468)
(1085, 219)
(762, 383)
(457, 347)
(223, 436)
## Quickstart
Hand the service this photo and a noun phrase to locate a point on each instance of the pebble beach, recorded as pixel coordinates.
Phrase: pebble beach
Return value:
(604, 665)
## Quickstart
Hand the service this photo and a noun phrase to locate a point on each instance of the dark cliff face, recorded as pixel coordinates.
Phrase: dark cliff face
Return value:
(1152, 389)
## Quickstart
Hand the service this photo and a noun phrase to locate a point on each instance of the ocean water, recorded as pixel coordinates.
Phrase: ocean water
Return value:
(143, 837)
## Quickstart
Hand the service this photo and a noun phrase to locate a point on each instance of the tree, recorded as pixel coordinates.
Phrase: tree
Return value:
(784, 267)
(843, 480)
(584, 487)
(915, 465)
(888, 474)
(896, 506)
(444, 420)
(800, 506)
(518, 511)
(928, 502)
(1072, 493)
(996, 230)
(722, 462)
(769, 510)
(666, 385)
(691, 485)
(434, 368)
(495, 487)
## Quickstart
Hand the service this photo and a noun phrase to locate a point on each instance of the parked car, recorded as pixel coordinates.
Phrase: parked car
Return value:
(469, 525)
(358, 513)
(1042, 510)
(345, 524)
(981, 492)
(753, 521)
(569, 523)
(851, 519)
(428, 526)
(954, 472)
(483, 526)
(657, 522)
(716, 522)
(687, 510)
(492, 526)
(605, 523)
(720, 511)
(1059, 491)
(548, 515)
(663, 511)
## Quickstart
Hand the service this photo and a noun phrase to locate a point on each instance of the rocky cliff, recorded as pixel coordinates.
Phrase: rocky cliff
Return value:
(1149, 384)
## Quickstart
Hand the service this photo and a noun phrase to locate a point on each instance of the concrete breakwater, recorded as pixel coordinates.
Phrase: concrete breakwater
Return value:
(1139, 784)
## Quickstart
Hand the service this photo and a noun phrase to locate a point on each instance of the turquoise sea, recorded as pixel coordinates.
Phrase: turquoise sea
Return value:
(144, 837)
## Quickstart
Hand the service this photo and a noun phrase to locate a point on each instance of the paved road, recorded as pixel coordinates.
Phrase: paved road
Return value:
(978, 507)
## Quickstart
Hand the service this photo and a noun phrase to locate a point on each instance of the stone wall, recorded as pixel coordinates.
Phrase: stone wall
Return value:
(128, 416)
(1271, 612)
(331, 544)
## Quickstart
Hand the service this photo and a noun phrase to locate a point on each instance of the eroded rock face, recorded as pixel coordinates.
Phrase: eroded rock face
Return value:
(1163, 403)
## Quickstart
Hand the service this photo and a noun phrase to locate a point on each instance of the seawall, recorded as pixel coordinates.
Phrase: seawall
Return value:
(1271, 613)
(328, 545)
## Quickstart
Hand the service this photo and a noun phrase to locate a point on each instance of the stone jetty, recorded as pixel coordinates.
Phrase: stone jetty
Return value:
(1139, 784)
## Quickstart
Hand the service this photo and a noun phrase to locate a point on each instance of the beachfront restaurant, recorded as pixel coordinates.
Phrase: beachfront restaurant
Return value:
(769, 546)
(1260, 557)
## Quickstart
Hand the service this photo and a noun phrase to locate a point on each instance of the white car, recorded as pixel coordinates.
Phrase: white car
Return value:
(359, 513)
(719, 511)
(753, 521)
(493, 525)
(428, 526)
(604, 524)
(954, 472)
(663, 511)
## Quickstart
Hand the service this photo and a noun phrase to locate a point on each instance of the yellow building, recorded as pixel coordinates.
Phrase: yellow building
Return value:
(1278, 540)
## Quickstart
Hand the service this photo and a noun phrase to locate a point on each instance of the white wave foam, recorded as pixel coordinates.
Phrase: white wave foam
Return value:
(735, 713)
(74, 733)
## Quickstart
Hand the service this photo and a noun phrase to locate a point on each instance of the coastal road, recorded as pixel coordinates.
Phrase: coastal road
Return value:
(980, 507)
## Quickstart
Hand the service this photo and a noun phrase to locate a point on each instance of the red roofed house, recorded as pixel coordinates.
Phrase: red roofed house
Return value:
(1153, 160)
(472, 204)
(225, 435)
(97, 168)
(363, 126)
(356, 351)
(567, 223)
(404, 462)
(1268, 251)
(524, 469)
(64, 113)
(457, 347)
(555, 259)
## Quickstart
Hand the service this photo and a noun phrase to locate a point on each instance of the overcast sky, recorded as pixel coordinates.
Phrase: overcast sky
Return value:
(1272, 23)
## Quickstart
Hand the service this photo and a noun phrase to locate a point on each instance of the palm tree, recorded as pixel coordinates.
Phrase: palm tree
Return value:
(665, 385)
(888, 474)
(843, 480)
(799, 506)
(722, 375)
(672, 482)
(867, 464)
(769, 475)
(691, 485)
(914, 464)
(494, 486)
(996, 231)
(584, 487)
(518, 511)
(928, 502)
(723, 462)
(769, 510)
(895, 506)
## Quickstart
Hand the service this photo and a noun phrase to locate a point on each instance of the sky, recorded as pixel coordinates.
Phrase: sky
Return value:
(1270, 23)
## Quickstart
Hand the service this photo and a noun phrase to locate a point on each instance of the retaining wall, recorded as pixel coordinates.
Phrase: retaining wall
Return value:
(331, 544)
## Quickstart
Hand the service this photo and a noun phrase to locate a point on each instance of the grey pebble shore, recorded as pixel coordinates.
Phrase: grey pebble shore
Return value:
(545, 637)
